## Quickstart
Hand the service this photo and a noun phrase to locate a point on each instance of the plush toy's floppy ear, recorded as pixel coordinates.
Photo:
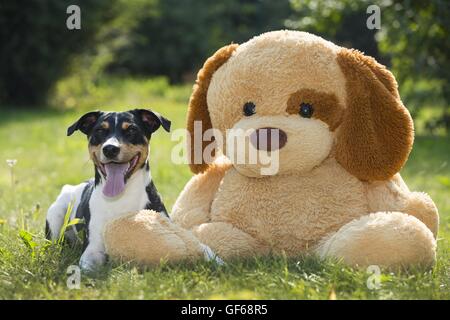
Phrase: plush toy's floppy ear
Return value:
(376, 134)
(152, 120)
(198, 106)
(85, 123)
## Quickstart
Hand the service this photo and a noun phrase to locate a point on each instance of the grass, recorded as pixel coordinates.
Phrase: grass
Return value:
(31, 268)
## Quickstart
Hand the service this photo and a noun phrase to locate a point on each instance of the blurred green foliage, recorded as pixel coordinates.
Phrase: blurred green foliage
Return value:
(413, 41)
(172, 38)
(36, 45)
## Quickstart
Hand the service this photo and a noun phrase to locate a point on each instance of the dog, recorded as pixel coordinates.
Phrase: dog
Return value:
(119, 148)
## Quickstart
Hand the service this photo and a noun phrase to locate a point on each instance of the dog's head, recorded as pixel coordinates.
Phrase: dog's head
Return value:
(325, 100)
(119, 143)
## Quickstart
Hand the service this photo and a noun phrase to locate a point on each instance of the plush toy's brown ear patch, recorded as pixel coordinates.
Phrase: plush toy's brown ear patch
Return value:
(198, 107)
(376, 134)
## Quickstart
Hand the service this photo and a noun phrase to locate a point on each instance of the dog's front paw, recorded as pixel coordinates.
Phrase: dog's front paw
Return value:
(211, 255)
(91, 261)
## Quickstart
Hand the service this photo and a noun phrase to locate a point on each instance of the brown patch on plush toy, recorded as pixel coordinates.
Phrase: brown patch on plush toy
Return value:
(376, 134)
(325, 105)
(198, 105)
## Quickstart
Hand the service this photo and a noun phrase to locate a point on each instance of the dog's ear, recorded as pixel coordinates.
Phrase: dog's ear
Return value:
(152, 120)
(198, 105)
(85, 123)
(376, 134)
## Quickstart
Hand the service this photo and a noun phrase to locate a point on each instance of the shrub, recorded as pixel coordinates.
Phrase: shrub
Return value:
(36, 46)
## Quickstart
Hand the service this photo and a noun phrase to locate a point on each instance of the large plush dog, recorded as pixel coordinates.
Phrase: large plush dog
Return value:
(343, 134)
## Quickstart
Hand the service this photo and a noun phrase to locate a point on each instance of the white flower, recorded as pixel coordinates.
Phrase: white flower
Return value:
(11, 162)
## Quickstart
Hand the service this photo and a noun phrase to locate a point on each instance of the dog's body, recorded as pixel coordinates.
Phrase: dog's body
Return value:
(122, 183)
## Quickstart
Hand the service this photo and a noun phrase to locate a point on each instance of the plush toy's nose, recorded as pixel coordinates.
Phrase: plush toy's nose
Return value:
(268, 139)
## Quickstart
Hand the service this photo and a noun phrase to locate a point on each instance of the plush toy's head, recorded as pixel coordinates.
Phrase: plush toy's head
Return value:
(326, 101)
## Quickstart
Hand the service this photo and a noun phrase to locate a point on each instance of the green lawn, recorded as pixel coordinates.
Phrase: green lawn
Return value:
(47, 159)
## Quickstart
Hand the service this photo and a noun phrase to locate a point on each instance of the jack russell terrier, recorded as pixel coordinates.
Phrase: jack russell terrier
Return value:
(119, 148)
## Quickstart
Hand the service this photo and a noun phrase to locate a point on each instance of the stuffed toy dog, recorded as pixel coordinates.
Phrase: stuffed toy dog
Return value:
(343, 136)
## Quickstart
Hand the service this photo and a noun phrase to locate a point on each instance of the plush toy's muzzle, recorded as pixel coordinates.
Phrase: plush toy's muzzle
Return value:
(294, 144)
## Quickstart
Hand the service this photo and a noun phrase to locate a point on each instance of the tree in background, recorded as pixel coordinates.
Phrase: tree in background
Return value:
(161, 37)
(343, 22)
(36, 46)
(173, 38)
(417, 38)
(413, 41)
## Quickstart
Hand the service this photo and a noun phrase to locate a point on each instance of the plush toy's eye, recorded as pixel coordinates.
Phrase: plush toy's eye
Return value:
(306, 110)
(249, 109)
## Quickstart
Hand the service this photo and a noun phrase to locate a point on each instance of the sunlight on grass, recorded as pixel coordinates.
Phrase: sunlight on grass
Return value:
(30, 267)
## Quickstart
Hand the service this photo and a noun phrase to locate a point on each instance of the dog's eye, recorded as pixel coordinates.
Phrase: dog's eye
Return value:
(249, 109)
(306, 110)
(100, 131)
(131, 131)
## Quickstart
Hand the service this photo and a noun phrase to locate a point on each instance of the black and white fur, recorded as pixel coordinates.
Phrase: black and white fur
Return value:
(87, 198)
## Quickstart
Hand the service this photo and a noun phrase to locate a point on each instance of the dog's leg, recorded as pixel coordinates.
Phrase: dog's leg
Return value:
(388, 239)
(92, 259)
(94, 255)
(57, 211)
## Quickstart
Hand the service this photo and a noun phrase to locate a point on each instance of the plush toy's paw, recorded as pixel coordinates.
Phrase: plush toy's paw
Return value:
(147, 237)
(388, 239)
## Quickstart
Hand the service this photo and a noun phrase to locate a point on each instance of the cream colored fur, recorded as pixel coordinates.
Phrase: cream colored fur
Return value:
(149, 238)
(312, 137)
(388, 239)
(312, 205)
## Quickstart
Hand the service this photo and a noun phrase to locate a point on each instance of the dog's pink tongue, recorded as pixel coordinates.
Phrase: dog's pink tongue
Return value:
(115, 179)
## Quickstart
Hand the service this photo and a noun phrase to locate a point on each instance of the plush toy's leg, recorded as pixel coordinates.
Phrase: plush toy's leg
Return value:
(228, 241)
(388, 239)
(421, 206)
(394, 195)
(147, 237)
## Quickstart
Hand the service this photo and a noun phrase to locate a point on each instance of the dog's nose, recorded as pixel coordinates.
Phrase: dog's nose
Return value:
(111, 151)
(268, 139)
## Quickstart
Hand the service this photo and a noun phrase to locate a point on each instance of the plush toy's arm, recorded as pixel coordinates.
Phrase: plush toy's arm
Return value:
(228, 241)
(148, 237)
(394, 195)
(193, 205)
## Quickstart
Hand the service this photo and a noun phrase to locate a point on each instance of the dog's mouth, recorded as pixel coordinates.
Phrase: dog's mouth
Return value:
(116, 175)
(128, 166)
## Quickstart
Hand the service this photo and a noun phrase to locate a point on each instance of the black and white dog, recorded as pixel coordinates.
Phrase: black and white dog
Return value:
(119, 148)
